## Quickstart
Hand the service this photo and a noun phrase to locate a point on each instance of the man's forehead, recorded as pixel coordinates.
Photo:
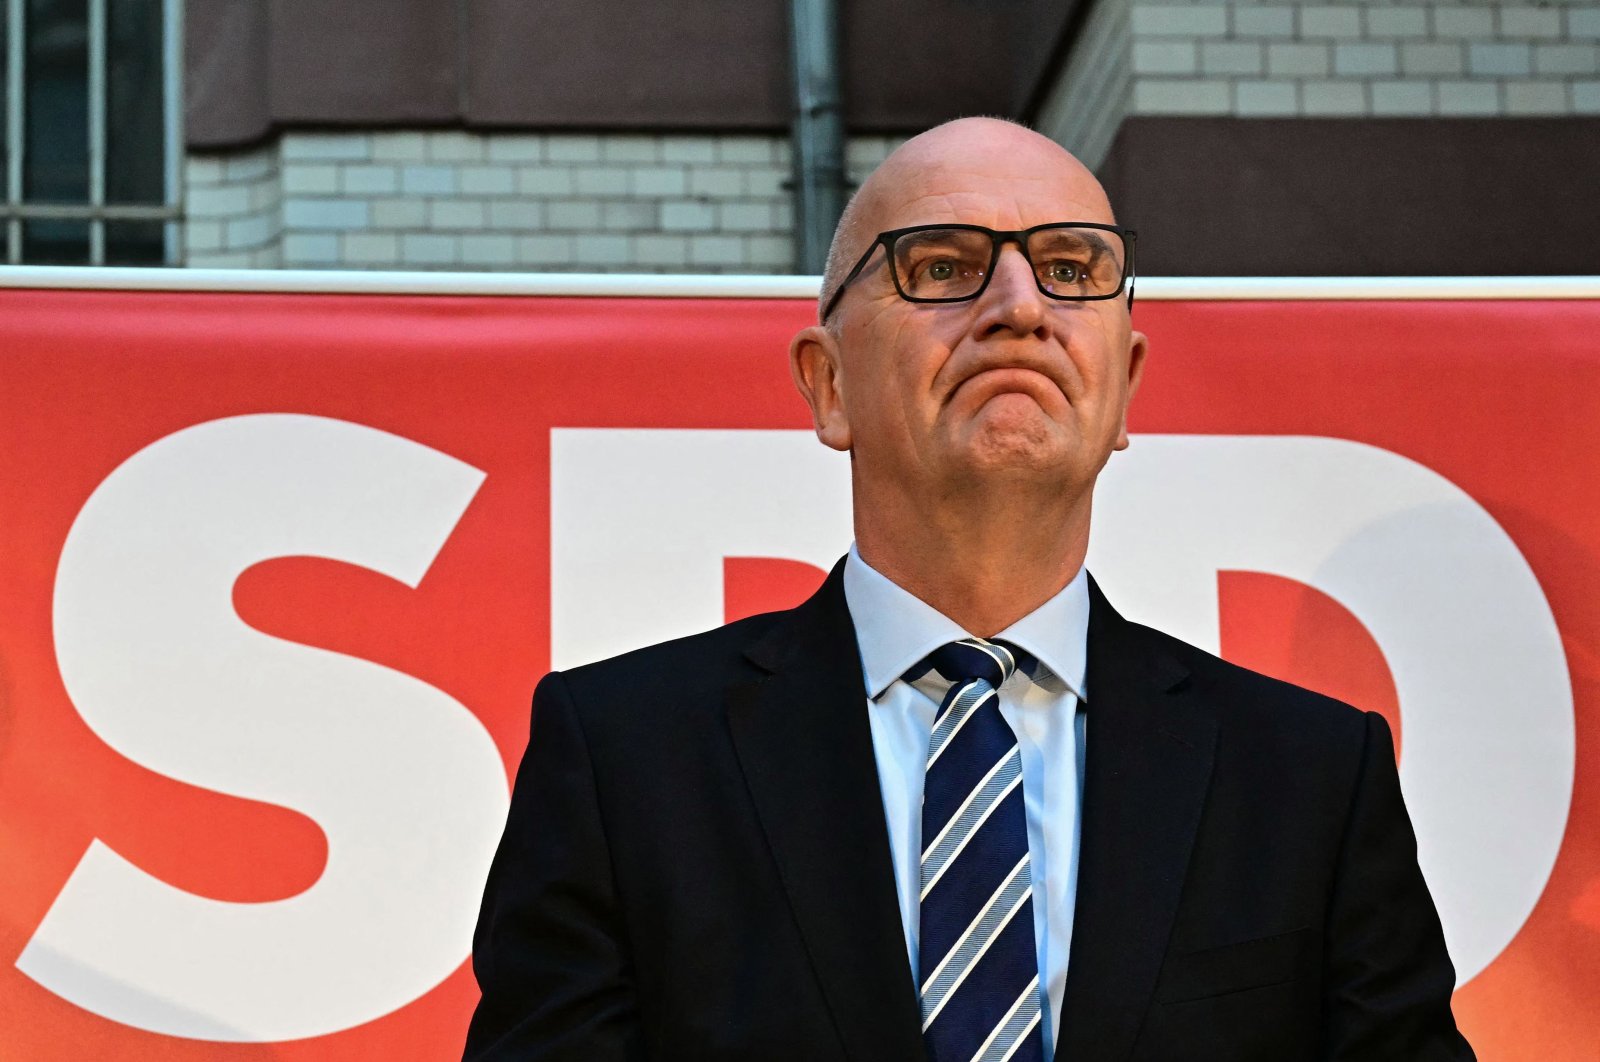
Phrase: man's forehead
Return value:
(996, 208)
(1001, 190)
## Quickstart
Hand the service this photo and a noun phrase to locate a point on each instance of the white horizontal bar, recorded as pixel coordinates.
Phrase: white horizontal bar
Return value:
(331, 281)
(747, 287)
(1175, 288)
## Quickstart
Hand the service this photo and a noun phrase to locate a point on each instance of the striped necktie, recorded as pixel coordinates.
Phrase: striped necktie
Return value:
(978, 970)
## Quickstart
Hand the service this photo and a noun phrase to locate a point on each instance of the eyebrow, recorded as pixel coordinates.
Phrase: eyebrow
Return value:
(933, 236)
(1088, 237)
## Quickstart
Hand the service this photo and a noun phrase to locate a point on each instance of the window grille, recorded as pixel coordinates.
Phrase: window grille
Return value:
(90, 94)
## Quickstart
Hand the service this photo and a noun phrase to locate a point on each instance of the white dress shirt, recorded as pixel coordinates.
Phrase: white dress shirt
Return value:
(895, 630)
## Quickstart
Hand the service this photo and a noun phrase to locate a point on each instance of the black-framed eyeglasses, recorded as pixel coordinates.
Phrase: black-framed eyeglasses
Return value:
(1072, 260)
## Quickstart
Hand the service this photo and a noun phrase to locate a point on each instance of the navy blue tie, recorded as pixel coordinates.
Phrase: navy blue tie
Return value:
(978, 970)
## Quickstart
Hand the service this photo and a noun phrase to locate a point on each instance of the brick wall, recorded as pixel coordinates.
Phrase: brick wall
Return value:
(511, 201)
(1379, 58)
(721, 203)
(233, 210)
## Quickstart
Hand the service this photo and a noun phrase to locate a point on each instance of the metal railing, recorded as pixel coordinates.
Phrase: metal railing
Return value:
(17, 209)
(619, 285)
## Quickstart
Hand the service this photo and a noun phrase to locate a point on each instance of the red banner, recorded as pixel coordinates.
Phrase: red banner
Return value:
(279, 573)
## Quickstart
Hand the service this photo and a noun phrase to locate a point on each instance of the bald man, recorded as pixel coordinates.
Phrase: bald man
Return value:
(954, 806)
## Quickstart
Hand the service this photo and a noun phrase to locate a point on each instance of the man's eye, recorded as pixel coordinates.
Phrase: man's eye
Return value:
(1065, 272)
(942, 270)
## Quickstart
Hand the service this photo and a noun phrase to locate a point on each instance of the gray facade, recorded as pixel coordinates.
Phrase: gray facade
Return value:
(1337, 138)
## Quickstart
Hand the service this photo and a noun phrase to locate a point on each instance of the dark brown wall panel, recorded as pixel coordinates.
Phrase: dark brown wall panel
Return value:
(599, 64)
(725, 63)
(911, 64)
(342, 60)
(227, 83)
(621, 63)
(1354, 197)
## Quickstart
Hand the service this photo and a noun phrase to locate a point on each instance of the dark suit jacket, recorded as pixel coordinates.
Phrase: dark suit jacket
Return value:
(696, 866)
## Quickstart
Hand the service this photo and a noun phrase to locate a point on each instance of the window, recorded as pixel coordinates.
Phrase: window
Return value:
(89, 92)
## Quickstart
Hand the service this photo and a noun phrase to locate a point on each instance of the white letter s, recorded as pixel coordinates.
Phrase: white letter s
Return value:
(404, 780)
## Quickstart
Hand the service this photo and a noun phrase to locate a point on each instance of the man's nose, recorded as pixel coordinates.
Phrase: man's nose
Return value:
(1012, 301)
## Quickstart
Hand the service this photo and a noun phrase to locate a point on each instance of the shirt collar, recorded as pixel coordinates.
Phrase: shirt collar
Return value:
(895, 629)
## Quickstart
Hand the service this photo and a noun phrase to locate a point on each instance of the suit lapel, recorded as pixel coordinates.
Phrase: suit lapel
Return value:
(1149, 754)
(805, 746)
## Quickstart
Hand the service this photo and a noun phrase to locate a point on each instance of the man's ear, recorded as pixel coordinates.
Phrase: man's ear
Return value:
(814, 364)
(1138, 346)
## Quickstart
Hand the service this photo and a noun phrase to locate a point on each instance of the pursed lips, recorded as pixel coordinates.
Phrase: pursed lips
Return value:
(1024, 373)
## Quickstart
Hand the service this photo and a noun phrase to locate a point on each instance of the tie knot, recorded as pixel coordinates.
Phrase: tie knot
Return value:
(974, 658)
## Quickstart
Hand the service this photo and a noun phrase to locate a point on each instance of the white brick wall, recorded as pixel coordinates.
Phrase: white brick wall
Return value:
(503, 201)
(1261, 58)
(233, 210)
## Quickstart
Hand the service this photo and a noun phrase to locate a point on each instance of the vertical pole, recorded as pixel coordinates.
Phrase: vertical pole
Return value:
(172, 121)
(818, 130)
(98, 51)
(16, 11)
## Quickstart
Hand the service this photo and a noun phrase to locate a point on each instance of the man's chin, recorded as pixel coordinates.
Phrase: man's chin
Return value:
(1013, 427)
(1025, 445)
(1017, 453)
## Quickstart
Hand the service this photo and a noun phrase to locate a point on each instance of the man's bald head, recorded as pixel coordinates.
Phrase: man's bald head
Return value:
(930, 164)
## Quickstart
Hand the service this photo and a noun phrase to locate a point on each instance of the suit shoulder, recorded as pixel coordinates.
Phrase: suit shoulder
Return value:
(688, 666)
(1260, 702)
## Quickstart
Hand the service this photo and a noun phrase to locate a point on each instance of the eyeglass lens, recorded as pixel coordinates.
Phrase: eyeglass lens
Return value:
(1068, 262)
